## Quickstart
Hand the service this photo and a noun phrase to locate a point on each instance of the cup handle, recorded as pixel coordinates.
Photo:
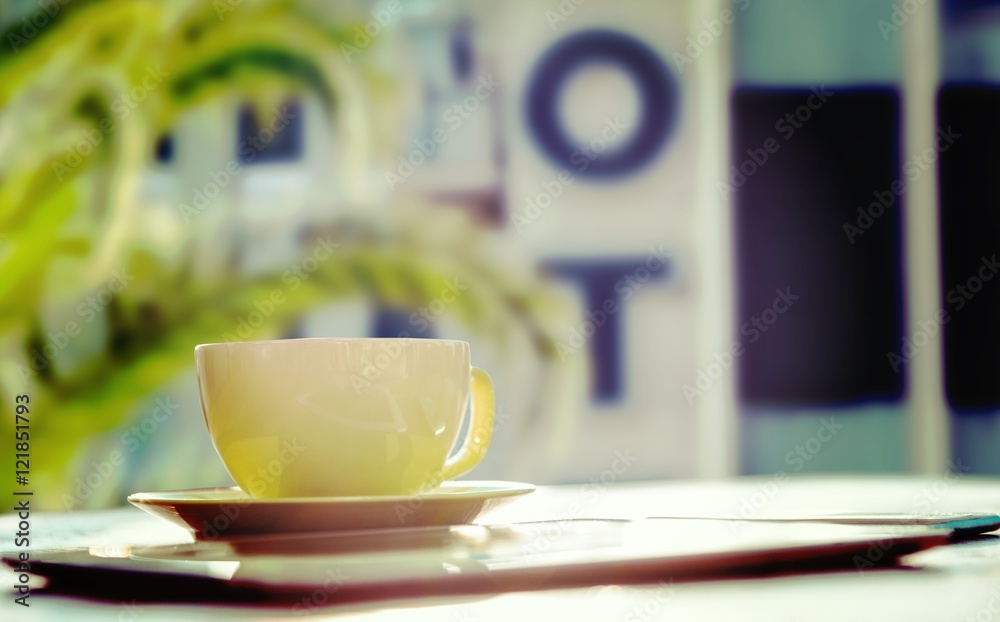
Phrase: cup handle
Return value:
(477, 441)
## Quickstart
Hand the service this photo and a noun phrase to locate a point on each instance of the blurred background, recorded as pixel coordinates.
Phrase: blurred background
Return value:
(686, 238)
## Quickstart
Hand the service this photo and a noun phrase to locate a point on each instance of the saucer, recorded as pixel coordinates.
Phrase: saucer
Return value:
(219, 513)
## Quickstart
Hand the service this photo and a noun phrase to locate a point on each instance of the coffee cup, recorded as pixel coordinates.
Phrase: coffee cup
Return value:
(343, 417)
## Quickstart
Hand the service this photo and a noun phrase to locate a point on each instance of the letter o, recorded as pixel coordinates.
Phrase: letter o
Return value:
(95, 482)
(148, 429)
(993, 601)
(717, 373)
(252, 322)
(211, 190)
(813, 445)
(641, 270)
(748, 171)
(266, 135)
(306, 264)
(774, 316)
(978, 286)
(274, 468)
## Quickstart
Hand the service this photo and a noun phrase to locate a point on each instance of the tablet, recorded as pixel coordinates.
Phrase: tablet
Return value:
(470, 559)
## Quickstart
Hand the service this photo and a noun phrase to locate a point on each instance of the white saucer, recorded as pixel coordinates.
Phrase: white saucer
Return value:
(219, 513)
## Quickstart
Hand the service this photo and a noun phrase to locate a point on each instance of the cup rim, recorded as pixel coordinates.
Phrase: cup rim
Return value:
(329, 340)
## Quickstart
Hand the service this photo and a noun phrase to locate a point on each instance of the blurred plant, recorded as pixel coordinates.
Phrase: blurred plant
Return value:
(81, 109)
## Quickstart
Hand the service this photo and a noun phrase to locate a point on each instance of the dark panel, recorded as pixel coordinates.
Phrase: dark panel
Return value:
(463, 58)
(961, 8)
(970, 237)
(390, 323)
(808, 161)
(164, 149)
(277, 137)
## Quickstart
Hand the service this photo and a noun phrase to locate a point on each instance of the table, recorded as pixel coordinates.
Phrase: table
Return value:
(955, 583)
